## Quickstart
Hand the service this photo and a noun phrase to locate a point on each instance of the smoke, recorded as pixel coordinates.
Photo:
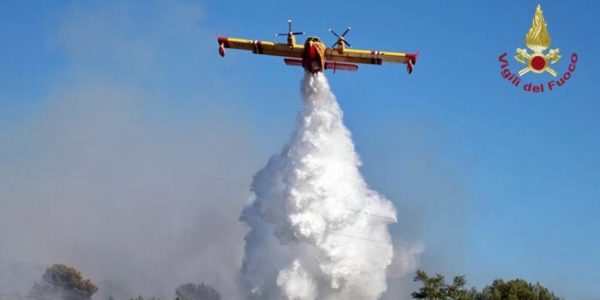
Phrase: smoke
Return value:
(117, 171)
(137, 180)
(137, 208)
(317, 230)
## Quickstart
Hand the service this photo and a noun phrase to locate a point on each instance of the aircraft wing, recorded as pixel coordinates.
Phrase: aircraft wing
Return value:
(371, 57)
(260, 47)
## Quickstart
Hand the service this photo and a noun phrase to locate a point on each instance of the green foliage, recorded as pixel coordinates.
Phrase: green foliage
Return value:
(516, 289)
(63, 282)
(191, 291)
(435, 288)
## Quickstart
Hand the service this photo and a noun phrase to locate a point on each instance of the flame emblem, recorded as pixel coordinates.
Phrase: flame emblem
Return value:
(538, 40)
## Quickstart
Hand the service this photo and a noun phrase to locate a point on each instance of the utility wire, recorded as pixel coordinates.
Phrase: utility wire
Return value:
(160, 198)
(164, 160)
(153, 157)
(17, 296)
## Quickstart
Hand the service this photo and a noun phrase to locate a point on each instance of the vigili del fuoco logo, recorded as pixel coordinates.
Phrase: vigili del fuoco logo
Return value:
(538, 61)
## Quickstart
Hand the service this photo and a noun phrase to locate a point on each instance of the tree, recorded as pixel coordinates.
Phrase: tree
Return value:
(516, 289)
(435, 288)
(63, 282)
(191, 291)
(457, 290)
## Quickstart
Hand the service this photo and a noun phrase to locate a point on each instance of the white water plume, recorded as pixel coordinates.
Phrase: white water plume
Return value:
(316, 230)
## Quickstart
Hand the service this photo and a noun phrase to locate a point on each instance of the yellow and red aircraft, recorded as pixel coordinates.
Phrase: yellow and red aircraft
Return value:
(314, 56)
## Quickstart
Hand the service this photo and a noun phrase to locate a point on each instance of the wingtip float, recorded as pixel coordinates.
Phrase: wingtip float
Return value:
(314, 56)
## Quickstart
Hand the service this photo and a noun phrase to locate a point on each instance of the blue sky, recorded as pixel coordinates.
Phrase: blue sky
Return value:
(495, 182)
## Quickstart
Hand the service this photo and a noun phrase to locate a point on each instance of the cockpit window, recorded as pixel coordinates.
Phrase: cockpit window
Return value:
(315, 39)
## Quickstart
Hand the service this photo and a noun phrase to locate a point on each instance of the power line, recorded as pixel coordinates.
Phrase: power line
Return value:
(17, 296)
(153, 157)
(157, 158)
(99, 182)
(106, 183)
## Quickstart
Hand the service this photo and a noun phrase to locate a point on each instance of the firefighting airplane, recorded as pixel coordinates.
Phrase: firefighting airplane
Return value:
(314, 57)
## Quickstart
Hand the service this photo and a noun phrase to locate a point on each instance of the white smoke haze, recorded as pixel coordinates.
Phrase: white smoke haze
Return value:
(100, 178)
(124, 203)
(406, 260)
(317, 230)
(118, 175)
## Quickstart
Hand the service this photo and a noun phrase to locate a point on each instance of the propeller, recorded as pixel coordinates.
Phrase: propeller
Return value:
(340, 37)
(290, 31)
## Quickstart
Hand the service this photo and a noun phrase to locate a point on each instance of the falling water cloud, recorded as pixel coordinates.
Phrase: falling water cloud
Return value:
(316, 229)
